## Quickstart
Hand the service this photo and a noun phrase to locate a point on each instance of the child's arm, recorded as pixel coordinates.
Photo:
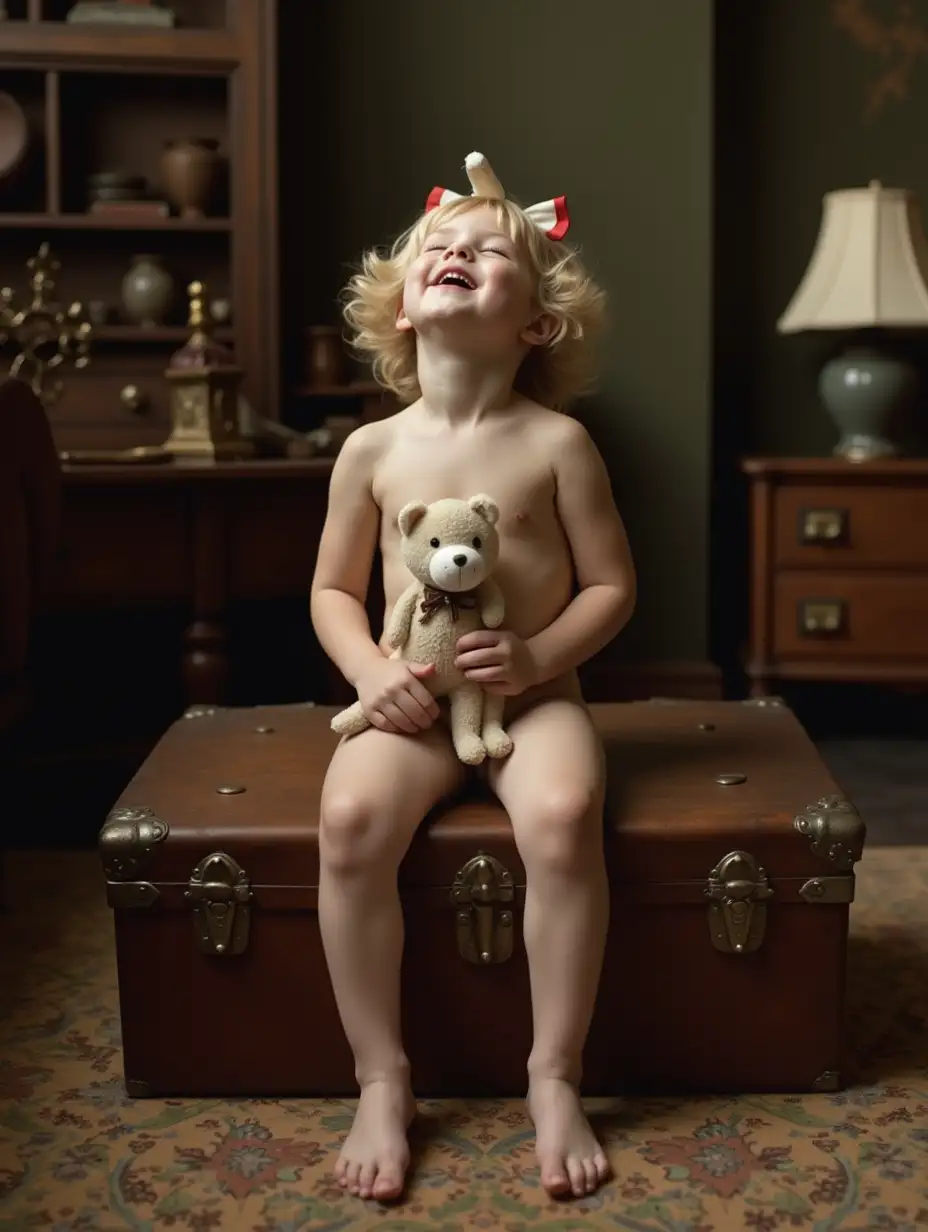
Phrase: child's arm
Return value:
(390, 692)
(346, 553)
(602, 558)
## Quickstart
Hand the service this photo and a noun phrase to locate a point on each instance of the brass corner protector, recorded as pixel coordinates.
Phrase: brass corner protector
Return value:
(201, 711)
(127, 839)
(828, 1080)
(836, 830)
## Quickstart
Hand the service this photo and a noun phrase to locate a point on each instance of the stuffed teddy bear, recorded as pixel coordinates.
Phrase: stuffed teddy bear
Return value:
(451, 548)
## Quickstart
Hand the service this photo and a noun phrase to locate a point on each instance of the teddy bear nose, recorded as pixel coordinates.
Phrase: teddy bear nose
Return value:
(460, 560)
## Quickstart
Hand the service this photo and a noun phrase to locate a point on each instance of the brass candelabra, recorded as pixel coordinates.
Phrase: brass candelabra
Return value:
(47, 336)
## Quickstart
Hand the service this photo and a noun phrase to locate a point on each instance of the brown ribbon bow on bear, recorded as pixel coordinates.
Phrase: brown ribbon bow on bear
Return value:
(434, 599)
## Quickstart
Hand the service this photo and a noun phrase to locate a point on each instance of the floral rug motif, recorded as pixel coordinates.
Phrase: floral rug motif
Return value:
(77, 1155)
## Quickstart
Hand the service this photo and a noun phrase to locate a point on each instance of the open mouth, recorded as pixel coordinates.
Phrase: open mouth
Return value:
(455, 278)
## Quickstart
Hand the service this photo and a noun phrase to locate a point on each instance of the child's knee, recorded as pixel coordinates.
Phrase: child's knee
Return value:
(562, 830)
(358, 833)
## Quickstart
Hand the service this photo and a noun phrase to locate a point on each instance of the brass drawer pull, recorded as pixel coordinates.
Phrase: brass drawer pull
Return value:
(823, 525)
(822, 617)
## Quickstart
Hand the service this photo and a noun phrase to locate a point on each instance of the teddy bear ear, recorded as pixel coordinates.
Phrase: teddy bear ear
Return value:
(410, 515)
(487, 508)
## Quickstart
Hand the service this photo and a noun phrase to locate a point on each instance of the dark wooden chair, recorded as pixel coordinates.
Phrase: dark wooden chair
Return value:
(30, 502)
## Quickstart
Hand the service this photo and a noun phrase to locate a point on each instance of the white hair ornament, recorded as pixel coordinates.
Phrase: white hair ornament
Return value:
(549, 217)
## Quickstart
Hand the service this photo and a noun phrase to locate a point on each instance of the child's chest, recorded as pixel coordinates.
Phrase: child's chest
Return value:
(522, 485)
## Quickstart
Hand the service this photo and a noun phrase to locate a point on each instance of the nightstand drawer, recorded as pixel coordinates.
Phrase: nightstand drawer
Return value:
(850, 616)
(850, 526)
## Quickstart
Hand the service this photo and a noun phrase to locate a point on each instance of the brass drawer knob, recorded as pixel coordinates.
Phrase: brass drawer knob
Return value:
(823, 525)
(822, 617)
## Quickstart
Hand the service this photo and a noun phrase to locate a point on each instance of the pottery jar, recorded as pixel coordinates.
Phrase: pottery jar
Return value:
(147, 291)
(190, 168)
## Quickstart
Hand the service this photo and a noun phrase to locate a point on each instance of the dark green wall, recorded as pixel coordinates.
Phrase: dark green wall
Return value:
(609, 101)
(807, 83)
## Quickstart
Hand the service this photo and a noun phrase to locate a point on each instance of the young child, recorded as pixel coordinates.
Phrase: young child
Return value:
(482, 319)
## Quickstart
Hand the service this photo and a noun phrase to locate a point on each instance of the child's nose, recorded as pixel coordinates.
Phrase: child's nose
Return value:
(459, 249)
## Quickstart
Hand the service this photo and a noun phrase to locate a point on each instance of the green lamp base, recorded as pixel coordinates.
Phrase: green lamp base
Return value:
(867, 393)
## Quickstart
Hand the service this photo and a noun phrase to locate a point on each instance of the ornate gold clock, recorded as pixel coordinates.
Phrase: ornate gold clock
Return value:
(205, 392)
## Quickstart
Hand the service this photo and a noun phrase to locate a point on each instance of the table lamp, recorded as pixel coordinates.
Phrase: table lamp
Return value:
(867, 274)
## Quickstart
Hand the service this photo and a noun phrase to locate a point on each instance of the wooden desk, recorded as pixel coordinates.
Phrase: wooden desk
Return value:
(196, 534)
(839, 571)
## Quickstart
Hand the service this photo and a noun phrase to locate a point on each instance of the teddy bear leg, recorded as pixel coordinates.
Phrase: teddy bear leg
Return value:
(494, 737)
(351, 721)
(466, 722)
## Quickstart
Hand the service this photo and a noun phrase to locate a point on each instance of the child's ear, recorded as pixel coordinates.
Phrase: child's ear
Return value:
(540, 331)
(403, 323)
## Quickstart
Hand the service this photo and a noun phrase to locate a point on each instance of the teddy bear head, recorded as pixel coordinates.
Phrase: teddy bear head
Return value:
(451, 545)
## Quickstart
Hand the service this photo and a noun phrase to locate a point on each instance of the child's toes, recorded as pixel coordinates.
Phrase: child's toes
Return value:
(577, 1177)
(554, 1177)
(366, 1179)
(352, 1178)
(389, 1182)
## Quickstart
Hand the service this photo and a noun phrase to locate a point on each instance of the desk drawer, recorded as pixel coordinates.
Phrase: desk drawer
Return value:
(846, 616)
(840, 525)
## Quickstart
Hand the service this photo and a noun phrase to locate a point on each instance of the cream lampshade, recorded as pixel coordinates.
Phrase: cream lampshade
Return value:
(868, 273)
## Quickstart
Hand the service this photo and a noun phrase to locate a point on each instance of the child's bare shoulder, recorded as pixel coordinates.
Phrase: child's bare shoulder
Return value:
(367, 444)
(554, 432)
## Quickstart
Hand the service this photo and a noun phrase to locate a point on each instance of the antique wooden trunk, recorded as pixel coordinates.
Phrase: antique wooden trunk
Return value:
(731, 854)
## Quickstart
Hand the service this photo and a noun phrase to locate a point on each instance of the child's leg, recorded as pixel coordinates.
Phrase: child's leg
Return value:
(378, 789)
(552, 786)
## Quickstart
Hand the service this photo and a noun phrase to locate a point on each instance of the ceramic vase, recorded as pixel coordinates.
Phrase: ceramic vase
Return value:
(325, 356)
(190, 168)
(147, 291)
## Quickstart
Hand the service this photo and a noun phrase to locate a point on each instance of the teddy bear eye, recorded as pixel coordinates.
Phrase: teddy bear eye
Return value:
(477, 542)
(435, 543)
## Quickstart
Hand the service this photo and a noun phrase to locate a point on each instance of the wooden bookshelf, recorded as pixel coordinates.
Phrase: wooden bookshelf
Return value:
(106, 98)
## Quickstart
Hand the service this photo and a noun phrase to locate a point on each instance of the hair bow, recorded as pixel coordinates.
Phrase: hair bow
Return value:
(548, 216)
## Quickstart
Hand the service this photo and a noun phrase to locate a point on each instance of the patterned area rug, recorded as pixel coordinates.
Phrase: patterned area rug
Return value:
(76, 1155)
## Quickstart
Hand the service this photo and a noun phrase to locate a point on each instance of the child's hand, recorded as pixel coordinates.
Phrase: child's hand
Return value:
(394, 700)
(498, 661)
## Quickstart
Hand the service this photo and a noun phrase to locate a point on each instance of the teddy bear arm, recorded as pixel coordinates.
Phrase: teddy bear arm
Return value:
(492, 607)
(401, 617)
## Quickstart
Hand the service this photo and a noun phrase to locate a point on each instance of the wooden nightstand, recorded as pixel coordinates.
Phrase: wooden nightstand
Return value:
(839, 571)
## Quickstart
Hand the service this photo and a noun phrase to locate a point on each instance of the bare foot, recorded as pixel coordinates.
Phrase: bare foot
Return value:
(374, 1159)
(569, 1156)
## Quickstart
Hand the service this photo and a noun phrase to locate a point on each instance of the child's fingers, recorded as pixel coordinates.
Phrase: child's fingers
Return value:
(488, 656)
(486, 675)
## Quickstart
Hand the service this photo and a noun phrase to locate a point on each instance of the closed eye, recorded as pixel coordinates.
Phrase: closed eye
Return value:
(499, 252)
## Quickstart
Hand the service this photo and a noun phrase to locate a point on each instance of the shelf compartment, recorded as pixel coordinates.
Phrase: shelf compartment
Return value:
(92, 267)
(158, 334)
(25, 187)
(113, 48)
(126, 129)
(97, 222)
(194, 15)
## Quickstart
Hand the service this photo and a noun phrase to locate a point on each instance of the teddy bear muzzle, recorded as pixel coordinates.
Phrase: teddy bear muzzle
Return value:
(457, 567)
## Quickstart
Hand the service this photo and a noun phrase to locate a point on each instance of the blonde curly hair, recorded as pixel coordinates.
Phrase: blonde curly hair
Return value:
(553, 374)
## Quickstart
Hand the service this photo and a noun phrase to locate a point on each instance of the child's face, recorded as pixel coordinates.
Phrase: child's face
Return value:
(473, 280)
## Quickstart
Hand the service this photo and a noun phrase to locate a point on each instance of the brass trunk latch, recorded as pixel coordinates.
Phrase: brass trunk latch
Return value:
(220, 893)
(484, 931)
(738, 891)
